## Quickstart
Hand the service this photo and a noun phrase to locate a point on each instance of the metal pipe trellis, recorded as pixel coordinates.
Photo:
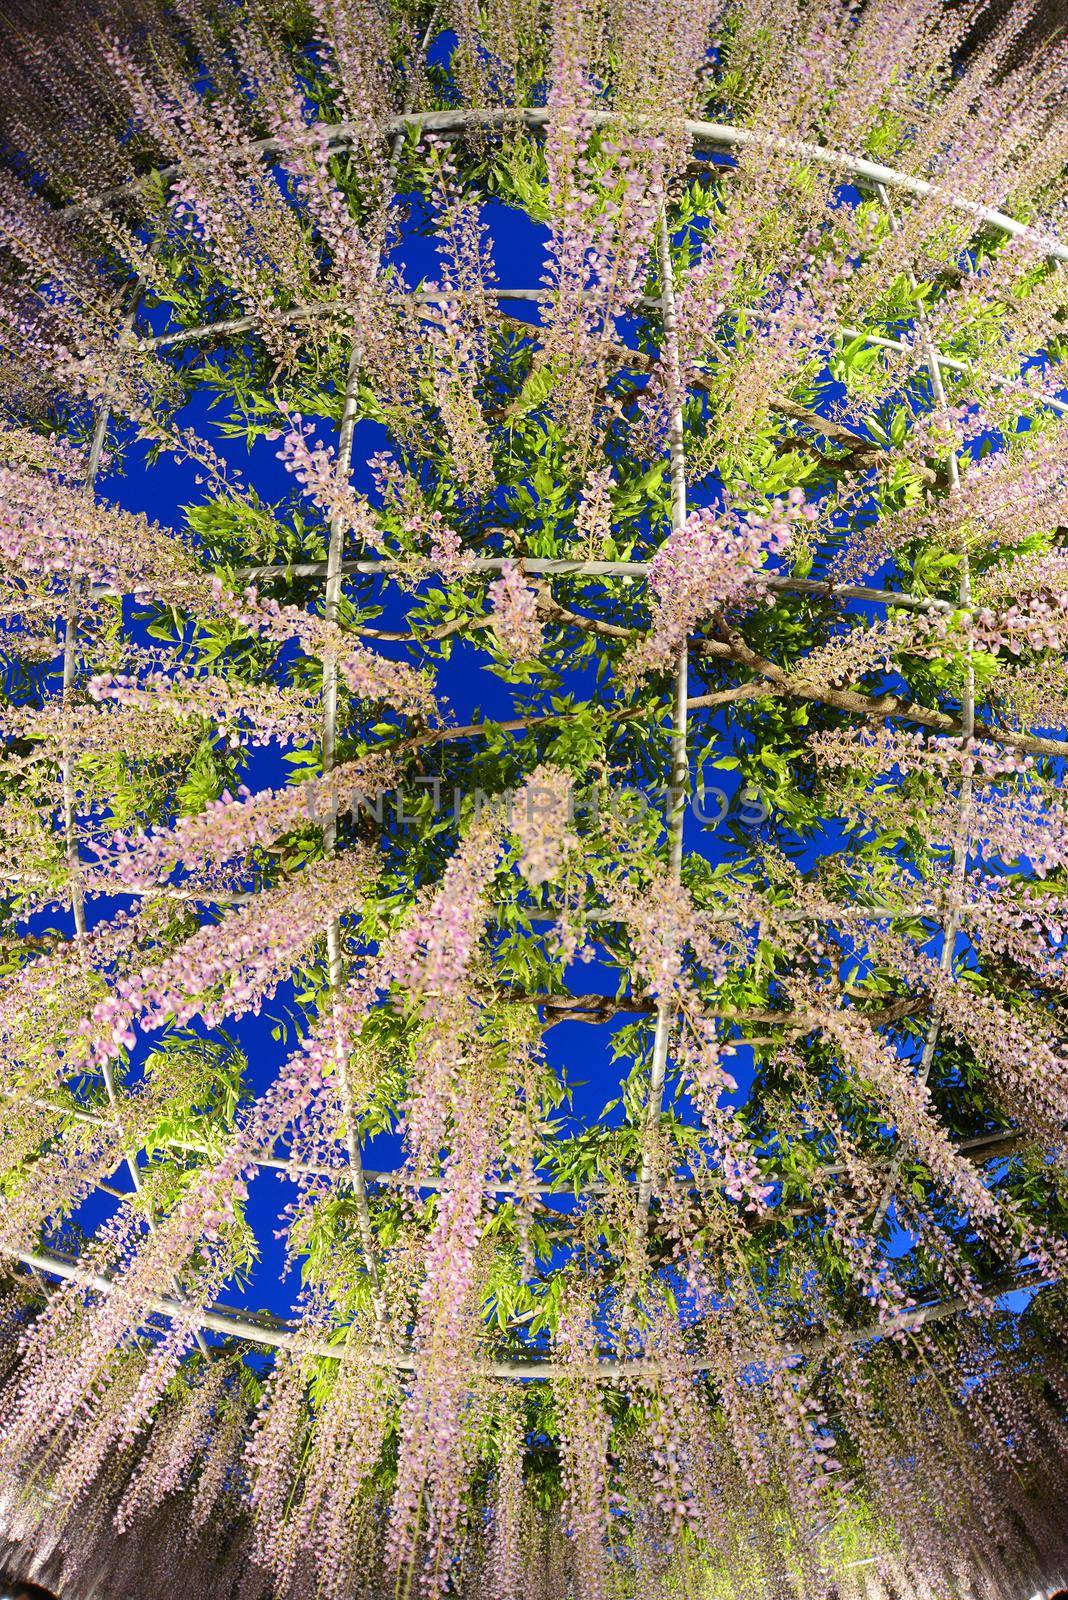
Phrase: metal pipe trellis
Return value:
(331, 603)
(678, 784)
(332, 594)
(702, 134)
(707, 135)
(280, 1335)
(977, 1149)
(70, 638)
(964, 809)
(561, 567)
(206, 331)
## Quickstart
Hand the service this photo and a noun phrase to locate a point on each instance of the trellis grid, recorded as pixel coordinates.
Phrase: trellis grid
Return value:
(710, 136)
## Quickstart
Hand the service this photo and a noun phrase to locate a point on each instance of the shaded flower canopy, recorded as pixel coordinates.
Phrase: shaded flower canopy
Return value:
(534, 848)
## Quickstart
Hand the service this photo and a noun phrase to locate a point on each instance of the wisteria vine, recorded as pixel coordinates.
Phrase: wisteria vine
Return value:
(750, 494)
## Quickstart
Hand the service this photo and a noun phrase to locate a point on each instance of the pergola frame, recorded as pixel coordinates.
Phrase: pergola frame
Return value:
(275, 1333)
(719, 136)
(703, 135)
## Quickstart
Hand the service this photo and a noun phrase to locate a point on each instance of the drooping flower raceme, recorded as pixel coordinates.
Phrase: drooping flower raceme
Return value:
(515, 613)
(712, 564)
(541, 1352)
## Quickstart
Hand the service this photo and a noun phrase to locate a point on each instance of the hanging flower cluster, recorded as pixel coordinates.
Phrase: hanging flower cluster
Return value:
(711, 564)
(328, 792)
(515, 614)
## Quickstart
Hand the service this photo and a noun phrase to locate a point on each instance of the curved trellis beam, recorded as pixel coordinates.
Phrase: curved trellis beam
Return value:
(70, 830)
(332, 596)
(205, 332)
(275, 1333)
(704, 135)
(967, 734)
(875, 913)
(328, 746)
(561, 567)
(679, 776)
(977, 1150)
